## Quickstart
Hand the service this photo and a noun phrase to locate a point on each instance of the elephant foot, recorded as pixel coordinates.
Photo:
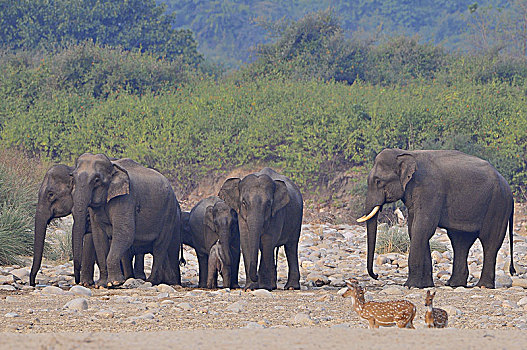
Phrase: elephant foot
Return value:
(292, 286)
(485, 284)
(235, 286)
(86, 283)
(140, 276)
(456, 283)
(414, 283)
(251, 286)
(114, 284)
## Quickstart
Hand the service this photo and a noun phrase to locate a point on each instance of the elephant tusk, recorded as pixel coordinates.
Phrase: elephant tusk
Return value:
(370, 215)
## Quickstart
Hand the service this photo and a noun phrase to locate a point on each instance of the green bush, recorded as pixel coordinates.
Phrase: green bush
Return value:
(17, 208)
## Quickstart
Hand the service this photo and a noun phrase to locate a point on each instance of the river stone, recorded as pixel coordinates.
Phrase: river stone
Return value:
(262, 293)
(519, 282)
(11, 314)
(522, 301)
(253, 325)
(165, 288)
(52, 290)
(104, 314)
(7, 287)
(8, 279)
(503, 281)
(318, 279)
(303, 319)
(77, 304)
(393, 290)
(133, 283)
(81, 291)
(236, 307)
(185, 306)
(21, 274)
(509, 304)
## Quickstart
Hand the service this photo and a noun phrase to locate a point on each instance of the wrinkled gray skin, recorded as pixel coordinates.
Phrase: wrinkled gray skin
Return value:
(269, 207)
(130, 206)
(55, 201)
(463, 194)
(218, 262)
(212, 220)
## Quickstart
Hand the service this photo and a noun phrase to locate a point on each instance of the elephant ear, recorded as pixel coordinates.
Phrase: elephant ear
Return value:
(407, 168)
(230, 193)
(281, 196)
(209, 218)
(120, 184)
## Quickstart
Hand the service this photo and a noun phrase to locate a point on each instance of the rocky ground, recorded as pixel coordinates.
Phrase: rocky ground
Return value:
(329, 254)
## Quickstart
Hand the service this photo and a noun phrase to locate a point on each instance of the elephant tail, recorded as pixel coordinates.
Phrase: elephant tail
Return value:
(512, 270)
(182, 261)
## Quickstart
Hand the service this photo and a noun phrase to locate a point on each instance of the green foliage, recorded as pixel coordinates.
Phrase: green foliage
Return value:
(17, 207)
(130, 24)
(395, 239)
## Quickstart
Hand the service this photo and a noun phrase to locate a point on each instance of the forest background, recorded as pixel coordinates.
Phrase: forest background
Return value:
(314, 88)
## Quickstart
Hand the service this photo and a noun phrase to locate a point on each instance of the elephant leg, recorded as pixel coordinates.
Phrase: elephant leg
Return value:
(421, 230)
(102, 247)
(267, 266)
(491, 237)
(203, 262)
(161, 267)
(139, 266)
(293, 271)
(126, 265)
(235, 262)
(88, 261)
(461, 243)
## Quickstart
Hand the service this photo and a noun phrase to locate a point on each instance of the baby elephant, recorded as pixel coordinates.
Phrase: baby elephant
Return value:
(218, 263)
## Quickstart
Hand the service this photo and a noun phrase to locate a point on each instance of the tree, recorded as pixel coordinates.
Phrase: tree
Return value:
(131, 24)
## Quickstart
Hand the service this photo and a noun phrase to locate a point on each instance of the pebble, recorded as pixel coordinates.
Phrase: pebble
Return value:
(7, 287)
(11, 314)
(78, 304)
(81, 291)
(253, 325)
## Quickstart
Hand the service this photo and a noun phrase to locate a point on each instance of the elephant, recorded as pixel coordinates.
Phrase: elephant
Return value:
(212, 220)
(54, 201)
(270, 208)
(442, 188)
(130, 207)
(218, 262)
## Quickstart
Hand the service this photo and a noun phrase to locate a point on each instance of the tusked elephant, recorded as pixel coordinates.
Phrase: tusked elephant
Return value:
(210, 221)
(449, 189)
(130, 206)
(269, 207)
(55, 201)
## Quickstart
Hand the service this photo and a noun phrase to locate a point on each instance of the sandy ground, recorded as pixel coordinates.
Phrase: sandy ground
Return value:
(305, 338)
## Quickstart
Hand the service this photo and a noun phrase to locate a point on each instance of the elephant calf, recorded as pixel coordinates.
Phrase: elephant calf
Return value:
(218, 262)
(210, 221)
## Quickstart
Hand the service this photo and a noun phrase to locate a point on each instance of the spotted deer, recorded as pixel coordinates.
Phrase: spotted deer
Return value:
(381, 313)
(434, 317)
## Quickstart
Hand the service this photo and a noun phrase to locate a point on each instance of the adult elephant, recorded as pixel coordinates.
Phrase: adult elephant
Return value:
(209, 221)
(130, 206)
(55, 201)
(269, 207)
(449, 189)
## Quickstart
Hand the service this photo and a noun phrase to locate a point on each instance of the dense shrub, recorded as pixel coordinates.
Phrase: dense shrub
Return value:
(18, 188)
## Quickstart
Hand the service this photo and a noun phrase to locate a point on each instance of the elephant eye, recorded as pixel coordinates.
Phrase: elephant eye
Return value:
(50, 195)
(97, 179)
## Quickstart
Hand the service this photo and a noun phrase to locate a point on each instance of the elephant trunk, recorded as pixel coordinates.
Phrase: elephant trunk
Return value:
(42, 218)
(371, 227)
(80, 214)
(254, 235)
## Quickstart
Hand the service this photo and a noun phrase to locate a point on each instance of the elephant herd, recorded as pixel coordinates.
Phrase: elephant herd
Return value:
(123, 210)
